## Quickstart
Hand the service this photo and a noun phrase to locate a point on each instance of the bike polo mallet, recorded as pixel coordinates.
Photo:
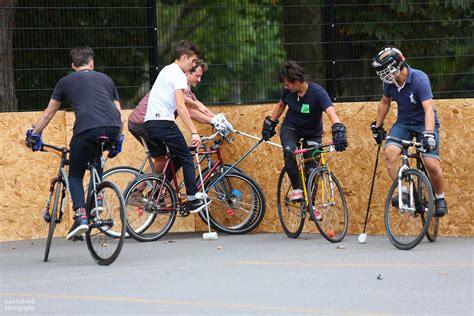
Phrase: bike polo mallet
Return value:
(256, 138)
(363, 237)
(203, 195)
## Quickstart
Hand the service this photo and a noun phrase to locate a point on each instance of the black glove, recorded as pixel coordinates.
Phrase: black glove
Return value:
(378, 133)
(339, 137)
(268, 129)
(429, 141)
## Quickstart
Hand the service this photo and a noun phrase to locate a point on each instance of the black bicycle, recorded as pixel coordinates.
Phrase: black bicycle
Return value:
(105, 208)
(410, 201)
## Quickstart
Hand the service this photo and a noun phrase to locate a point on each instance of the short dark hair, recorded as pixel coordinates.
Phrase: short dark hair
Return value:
(81, 56)
(185, 47)
(199, 63)
(292, 72)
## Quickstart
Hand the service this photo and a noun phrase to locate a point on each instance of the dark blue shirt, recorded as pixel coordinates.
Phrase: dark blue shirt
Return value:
(417, 89)
(92, 96)
(305, 114)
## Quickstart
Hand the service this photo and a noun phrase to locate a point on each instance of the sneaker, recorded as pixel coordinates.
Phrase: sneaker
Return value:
(441, 208)
(98, 209)
(198, 204)
(80, 225)
(405, 199)
(296, 196)
(316, 213)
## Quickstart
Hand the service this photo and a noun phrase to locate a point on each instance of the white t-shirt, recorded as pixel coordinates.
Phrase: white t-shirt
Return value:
(162, 101)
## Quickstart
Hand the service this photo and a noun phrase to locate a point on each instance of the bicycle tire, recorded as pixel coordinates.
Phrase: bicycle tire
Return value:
(291, 214)
(223, 196)
(219, 171)
(122, 176)
(433, 228)
(158, 221)
(98, 242)
(58, 185)
(403, 228)
(334, 220)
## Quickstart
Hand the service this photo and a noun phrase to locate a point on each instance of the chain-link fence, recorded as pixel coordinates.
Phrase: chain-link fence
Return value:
(245, 43)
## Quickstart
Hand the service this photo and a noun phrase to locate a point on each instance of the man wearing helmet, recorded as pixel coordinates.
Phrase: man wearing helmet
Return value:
(417, 116)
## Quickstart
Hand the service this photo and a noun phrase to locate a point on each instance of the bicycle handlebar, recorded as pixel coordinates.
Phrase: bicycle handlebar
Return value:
(408, 143)
(319, 147)
(60, 149)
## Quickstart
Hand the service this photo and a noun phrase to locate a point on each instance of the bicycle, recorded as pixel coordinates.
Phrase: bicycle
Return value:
(153, 202)
(324, 198)
(124, 175)
(410, 196)
(104, 198)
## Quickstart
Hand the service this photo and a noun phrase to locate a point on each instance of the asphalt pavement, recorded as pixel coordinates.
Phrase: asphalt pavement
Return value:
(255, 274)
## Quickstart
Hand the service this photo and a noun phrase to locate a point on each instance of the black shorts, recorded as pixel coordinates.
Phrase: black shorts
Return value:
(138, 131)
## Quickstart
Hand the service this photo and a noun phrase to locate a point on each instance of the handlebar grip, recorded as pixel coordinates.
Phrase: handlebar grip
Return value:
(301, 151)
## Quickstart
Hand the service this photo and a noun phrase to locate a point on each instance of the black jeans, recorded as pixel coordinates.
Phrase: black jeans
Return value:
(289, 140)
(83, 148)
(168, 133)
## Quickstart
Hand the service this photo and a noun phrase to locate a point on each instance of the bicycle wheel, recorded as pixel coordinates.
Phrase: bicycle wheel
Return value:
(433, 228)
(54, 216)
(151, 207)
(402, 223)
(238, 204)
(291, 214)
(103, 247)
(122, 176)
(327, 198)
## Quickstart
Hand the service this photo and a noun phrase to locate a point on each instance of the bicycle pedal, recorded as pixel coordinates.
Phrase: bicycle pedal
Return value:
(184, 211)
(77, 238)
(46, 216)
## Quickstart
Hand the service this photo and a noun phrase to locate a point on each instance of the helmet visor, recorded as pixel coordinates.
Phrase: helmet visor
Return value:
(389, 74)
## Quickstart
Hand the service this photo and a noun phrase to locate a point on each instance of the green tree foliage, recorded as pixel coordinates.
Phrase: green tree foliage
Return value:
(241, 41)
(435, 36)
(46, 30)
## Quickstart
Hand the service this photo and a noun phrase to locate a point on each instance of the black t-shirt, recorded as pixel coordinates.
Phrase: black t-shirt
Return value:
(305, 114)
(91, 95)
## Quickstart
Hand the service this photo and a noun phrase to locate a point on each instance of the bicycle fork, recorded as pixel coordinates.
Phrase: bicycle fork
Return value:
(402, 206)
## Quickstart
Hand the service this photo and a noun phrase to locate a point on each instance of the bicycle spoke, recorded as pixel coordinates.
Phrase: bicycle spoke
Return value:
(402, 221)
(109, 216)
(291, 214)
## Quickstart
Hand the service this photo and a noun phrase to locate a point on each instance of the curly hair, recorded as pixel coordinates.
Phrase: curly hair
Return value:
(199, 63)
(292, 72)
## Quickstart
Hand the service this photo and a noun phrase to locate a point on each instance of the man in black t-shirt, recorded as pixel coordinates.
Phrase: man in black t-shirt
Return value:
(95, 102)
(306, 101)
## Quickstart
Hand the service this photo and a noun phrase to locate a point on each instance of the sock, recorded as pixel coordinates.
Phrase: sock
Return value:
(191, 197)
(404, 189)
(439, 196)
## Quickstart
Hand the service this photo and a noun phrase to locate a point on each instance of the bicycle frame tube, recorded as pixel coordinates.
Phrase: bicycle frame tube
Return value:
(235, 164)
(405, 166)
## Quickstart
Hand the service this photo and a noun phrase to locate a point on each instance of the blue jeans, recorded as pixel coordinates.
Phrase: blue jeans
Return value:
(82, 151)
(167, 132)
(407, 131)
(289, 139)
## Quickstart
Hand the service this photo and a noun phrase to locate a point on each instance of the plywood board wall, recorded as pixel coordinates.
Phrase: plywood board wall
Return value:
(25, 175)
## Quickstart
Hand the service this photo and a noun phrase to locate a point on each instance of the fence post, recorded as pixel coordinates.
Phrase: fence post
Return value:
(153, 41)
(330, 34)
